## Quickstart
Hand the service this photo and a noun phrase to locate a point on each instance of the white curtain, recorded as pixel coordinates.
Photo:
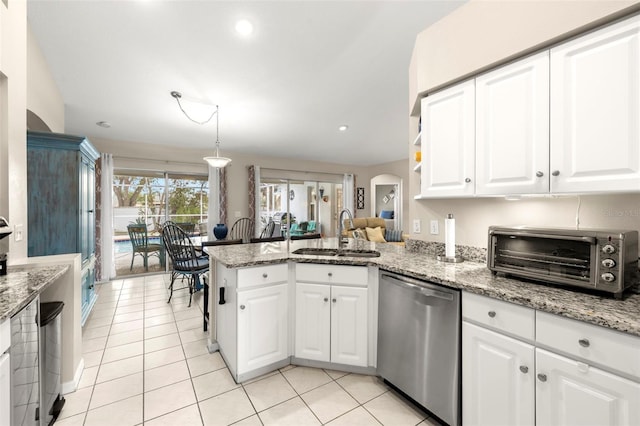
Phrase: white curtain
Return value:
(348, 184)
(256, 189)
(108, 264)
(214, 199)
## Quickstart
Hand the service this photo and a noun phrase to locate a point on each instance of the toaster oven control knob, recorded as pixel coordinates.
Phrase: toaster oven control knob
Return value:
(608, 277)
(608, 249)
(608, 263)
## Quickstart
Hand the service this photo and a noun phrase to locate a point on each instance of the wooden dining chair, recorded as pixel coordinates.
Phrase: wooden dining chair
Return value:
(268, 230)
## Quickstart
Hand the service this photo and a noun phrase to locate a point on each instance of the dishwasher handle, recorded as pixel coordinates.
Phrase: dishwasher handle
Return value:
(418, 288)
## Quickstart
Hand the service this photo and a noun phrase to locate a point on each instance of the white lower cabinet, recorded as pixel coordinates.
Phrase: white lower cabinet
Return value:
(569, 392)
(252, 325)
(262, 327)
(332, 314)
(582, 384)
(331, 324)
(498, 385)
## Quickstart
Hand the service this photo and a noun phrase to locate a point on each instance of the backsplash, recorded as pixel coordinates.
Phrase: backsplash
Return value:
(473, 254)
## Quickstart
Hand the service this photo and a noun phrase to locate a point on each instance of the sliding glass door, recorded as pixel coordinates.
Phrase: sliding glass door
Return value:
(299, 207)
(143, 201)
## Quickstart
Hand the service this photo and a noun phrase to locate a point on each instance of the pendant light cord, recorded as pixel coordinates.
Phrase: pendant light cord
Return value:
(178, 95)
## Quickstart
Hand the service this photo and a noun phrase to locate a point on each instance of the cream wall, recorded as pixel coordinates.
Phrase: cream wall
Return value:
(476, 36)
(13, 105)
(482, 34)
(139, 155)
(43, 97)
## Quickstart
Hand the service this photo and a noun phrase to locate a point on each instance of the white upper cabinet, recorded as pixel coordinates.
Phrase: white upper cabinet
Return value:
(595, 111)
(512, 128)
(448, 142)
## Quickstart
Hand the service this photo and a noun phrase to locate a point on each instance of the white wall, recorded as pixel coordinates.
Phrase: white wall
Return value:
(13, 106)
(481, 34)
(43, 96)
(478, 35)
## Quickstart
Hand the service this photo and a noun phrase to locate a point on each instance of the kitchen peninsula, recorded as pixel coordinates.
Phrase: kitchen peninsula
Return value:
(474, 277)
(274, 307)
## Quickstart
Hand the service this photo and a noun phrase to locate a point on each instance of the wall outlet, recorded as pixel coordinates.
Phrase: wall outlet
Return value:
(416, 226)
(434, 227)
(18, 233)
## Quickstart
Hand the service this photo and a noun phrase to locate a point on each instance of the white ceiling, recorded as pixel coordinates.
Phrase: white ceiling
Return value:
(308, 67)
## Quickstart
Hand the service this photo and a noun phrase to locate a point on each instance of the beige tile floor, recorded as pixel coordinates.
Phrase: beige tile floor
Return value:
(146, 362)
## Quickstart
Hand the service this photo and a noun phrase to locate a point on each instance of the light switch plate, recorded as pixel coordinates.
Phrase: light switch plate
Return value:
(236, 214)
(434, 227)
(18, 232)
(416, 226)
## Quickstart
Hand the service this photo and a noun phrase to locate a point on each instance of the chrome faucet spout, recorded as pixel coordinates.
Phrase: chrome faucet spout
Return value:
(342, 240)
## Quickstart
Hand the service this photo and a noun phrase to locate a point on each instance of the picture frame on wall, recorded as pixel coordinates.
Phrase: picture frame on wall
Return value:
(360, 198)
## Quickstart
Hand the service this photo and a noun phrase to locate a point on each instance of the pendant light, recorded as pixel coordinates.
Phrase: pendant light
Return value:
(216, 161)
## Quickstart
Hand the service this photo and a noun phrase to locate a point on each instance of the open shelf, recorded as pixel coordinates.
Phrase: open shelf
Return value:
(416, 141)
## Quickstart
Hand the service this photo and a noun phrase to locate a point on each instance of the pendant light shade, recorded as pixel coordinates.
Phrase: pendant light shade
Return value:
(216, 161)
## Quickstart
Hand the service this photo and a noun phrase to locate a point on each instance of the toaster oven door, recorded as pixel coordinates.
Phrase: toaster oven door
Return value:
(554, 258)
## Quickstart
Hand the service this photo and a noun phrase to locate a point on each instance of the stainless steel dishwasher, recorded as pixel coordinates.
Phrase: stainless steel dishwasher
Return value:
(419, 343)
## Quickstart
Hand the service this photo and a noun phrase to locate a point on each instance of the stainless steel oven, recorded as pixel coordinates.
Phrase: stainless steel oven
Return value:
(597, 259)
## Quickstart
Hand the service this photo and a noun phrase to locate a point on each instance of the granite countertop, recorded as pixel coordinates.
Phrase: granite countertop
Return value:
(622, 315)
(23, 283)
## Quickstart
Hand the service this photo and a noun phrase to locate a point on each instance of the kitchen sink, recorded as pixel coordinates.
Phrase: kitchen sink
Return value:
(316, 251)
(335, 252)
(359, 253)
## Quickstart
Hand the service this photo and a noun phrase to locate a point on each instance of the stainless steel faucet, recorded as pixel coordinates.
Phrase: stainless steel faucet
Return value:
(342, 240)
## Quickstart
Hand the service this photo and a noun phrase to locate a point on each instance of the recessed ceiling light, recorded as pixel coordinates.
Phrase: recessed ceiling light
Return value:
(343, 128)
(104, 124)
(244, 27)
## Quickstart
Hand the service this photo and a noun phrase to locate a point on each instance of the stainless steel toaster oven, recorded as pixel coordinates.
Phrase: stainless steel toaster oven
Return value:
(597, 259)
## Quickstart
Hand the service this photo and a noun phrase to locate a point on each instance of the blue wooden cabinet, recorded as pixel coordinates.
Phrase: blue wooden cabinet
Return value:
(61, 197)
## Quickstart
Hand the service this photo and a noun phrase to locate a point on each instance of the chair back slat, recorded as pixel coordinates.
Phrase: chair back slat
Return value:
(268, 230)
(138, 235)
(242, 229)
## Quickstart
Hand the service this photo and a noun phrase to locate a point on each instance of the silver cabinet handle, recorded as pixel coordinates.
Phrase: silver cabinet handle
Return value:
(326, 299)
(556, 173)
(467, 180)
(492, 314)
(524, 369)
(264, 275)
(542, 377)
(539, 174)
(242, 307)
(334, 300)
(584, 343)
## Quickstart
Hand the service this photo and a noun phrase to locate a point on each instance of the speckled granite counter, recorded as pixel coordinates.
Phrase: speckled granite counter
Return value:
(622, 315)
(23, 283)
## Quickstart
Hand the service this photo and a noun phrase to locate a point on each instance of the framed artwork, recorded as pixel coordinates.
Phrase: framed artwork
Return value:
(360, 198)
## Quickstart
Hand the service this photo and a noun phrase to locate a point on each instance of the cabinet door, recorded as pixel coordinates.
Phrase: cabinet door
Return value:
(498, 385)
(595, 105)
(313, 313)
(448, 142)
(349, 325)
(573, 393)
(262, 327)
(512, 128)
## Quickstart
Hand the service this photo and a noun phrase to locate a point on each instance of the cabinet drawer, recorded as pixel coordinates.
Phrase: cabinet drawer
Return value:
(259, 275)
(608, 348)
(5, 335)
(332, 274)
(502, 316)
